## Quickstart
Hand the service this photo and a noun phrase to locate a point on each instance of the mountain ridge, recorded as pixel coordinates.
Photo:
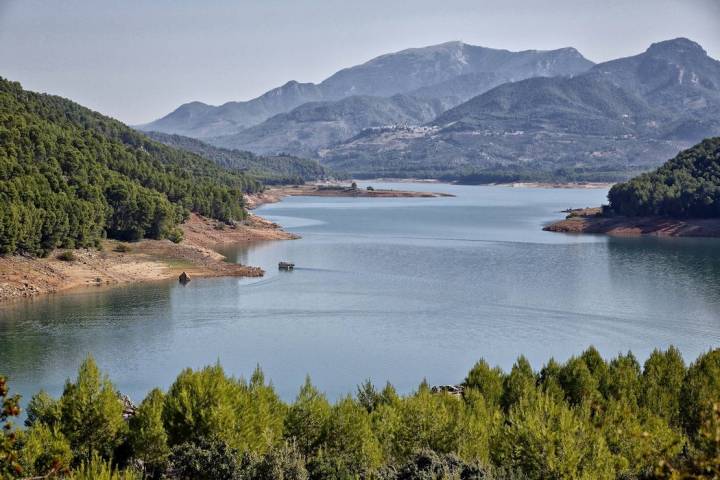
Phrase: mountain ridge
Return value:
(386, 75)
(620, 115)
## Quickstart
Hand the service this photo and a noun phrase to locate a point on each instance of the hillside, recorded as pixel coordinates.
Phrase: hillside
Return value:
(270, 170)
(679, 199)
(688, 186)
(404, 72)
(315, 125)
(620, 116)
(70, 176)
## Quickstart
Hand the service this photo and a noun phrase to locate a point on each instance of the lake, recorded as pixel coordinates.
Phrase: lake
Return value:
(386, 289)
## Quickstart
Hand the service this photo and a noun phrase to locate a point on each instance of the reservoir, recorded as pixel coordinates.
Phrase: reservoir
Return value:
(390, 289)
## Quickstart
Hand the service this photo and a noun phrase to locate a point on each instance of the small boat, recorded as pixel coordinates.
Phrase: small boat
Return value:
(286, 266)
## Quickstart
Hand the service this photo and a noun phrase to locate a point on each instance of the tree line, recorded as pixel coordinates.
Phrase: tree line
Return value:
(586, 418)
(70, 176)
(687, 186)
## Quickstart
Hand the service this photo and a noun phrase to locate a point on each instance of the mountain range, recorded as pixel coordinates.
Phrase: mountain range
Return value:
(452, 72)
(461, 111)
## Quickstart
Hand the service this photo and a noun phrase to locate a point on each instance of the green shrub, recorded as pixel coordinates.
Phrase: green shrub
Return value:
(67, 256)
(205, 460)
(429, 465)
(98, 469)
(175, 235)
(45, 451)
(122, 248)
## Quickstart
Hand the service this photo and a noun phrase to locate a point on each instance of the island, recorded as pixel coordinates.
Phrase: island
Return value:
(679, 199)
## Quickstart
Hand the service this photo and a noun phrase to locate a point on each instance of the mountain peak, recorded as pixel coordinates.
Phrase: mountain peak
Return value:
(679, 45)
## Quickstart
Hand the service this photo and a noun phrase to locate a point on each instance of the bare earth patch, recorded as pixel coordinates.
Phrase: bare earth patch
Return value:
(146, 260)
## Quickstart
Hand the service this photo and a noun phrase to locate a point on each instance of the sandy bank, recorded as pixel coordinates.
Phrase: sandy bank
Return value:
(275, 194)
(147, 260)
(588, 221)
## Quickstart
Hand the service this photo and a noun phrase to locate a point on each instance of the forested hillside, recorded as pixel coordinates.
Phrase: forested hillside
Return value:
(269, 169)
(586, 418)
(688, 186)
(69, 176)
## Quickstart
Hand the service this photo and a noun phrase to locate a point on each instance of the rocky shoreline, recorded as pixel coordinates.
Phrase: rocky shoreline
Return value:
(148, 260)
(590, 220)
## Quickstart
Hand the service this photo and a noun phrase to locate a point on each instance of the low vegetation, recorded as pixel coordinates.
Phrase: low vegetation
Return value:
(123, 248)
(587, 418)
(67, 256)
(688, 186)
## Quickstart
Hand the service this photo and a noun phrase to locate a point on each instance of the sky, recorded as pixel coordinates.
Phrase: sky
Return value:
(137, 60)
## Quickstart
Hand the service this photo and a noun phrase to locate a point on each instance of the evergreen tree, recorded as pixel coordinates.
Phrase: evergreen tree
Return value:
(91, 414)
(306, 419)
(488, 381)
(700, 390)
(349, 438)
(148, 438)
(662, 379)
(520, 382)
(545, 439)
(45, 451)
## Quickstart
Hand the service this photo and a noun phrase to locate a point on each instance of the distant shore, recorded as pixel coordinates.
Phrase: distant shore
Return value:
(589, 220)
(147, 260)
(574, 185)
(275, 194)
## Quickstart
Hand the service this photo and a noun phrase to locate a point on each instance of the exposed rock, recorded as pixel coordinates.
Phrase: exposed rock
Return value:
(455, 390)
(129, 408)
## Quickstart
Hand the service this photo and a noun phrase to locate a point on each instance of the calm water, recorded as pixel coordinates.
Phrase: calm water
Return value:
(388, 289)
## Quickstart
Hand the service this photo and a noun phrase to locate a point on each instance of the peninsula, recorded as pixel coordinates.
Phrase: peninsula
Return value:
(117, 263)
(679, 199)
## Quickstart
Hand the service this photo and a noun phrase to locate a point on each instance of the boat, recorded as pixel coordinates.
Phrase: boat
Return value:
(286, 266)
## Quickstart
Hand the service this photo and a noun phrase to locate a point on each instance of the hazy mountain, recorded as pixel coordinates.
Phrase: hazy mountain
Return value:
(416, 68)
(197, 119)
(427, 68)
(283, 169)
(620, 116)
(318, 124)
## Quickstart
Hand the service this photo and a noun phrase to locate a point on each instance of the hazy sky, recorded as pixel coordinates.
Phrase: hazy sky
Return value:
(137, 60)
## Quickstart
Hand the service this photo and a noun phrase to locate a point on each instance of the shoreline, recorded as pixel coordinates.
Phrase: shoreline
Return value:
(559, 185)
(24, 277)
(519, 184)
(588, 221)
(275, 194)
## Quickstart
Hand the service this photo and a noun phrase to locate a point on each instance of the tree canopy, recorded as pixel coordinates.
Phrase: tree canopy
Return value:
(586, 418)
(69, 176)
(688, 186)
